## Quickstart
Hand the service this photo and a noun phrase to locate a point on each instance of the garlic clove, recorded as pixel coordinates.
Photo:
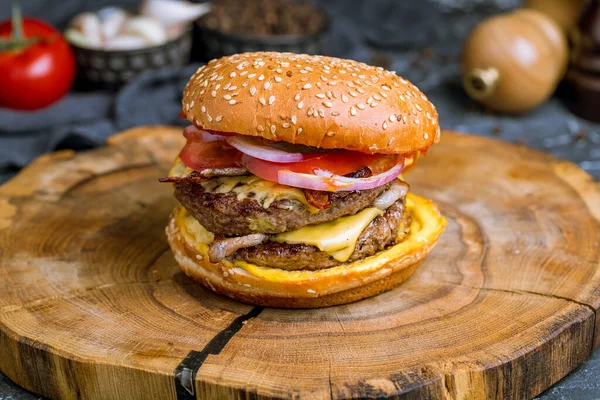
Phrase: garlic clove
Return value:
(149, 29)
(112, 20)
(174, 11)
(126, 42)
(76, 37)
(89, 25)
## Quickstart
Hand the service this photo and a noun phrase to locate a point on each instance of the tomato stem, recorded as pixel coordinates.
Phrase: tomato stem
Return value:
(17, 22)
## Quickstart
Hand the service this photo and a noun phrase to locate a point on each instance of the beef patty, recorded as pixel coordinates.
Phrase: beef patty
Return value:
(385, 230)
(225, 215)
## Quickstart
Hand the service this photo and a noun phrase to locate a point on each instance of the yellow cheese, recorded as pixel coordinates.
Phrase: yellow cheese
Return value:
(337, 237)
(252, 187)
(179, 169)
(246, 187)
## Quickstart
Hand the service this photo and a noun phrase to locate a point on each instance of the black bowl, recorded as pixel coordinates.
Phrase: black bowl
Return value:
(113, 69)
(215, 44)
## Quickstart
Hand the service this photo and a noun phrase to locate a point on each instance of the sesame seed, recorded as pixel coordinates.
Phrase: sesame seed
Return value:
(227, 86)
(285, 64)
(377, 97)
(404, 119)
(326, 67)
(418, 107)
(353, 94)
(213, 93)
(383, 94)
(232, 102)
(271, 100)
(278, 79)
(260, 128)
(352, 111)
(252, 91)
(231, 88)
(303, 71)
(385, 87)
(323, 78)
(192, 104)
(294, 119)
(227, 97)
(232, 75)
(219, 118)
(301, 104)
(320, 95)
(299, 131)
(327, 104)
(426, 136)
(428, 115)
(297, 97)
(392, 118)
(335, 113)
(261, 77)
(344, 98)
(417, 121)
(251, 76)
(282, 116)
(307, 86)
(187, 107)
(245, 84)
(321, 113)
(285, 125)
(401, 98)
(309, 112)
(203, 109)
(370, 99)
(329, 94)
(332, 83)
(202, 92)
(267, 85)
(319, 85)
(384, 125)
(262, 101)
(278, 70)
(360, 90)
(330, 134)
(361, 106)
(217, 86)
(273, 129)
(209, 117)
(373, 104)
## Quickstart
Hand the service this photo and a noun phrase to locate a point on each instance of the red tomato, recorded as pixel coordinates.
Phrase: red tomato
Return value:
(36, 75)
(338, 162)
(202, 155)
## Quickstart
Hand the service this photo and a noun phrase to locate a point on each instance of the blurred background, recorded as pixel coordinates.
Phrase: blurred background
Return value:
(74, 72)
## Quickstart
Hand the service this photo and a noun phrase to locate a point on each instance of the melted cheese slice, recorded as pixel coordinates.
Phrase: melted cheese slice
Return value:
(247, 187)
(337, 237)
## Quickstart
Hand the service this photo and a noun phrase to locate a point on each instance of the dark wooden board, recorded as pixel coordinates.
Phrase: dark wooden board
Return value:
(93, 305)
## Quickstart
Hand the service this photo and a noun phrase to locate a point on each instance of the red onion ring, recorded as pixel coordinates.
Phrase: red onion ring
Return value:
(198, 135)
(254, 148)
(334, 183)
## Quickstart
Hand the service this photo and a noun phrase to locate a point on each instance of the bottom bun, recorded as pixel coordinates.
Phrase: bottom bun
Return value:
(279, 288)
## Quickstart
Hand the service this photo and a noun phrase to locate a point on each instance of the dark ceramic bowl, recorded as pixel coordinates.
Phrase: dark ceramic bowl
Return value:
(113, 69)
(215, 44)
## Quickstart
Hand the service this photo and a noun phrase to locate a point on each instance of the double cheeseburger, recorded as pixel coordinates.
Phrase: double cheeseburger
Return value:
(290, 185)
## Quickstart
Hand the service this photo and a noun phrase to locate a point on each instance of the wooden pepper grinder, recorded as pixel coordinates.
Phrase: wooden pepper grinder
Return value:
(513, 62)
(583, 78)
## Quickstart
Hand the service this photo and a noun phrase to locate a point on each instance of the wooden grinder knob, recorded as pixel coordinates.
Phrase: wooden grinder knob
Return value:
(513, 62)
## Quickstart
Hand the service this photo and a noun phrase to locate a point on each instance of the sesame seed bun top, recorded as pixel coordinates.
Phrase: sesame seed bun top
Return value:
(318, 101)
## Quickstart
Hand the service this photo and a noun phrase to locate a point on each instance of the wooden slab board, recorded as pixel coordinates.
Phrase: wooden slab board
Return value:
(92, 304)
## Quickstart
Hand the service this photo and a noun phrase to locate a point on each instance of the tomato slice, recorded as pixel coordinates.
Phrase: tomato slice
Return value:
(203, 155)
(338, 163)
